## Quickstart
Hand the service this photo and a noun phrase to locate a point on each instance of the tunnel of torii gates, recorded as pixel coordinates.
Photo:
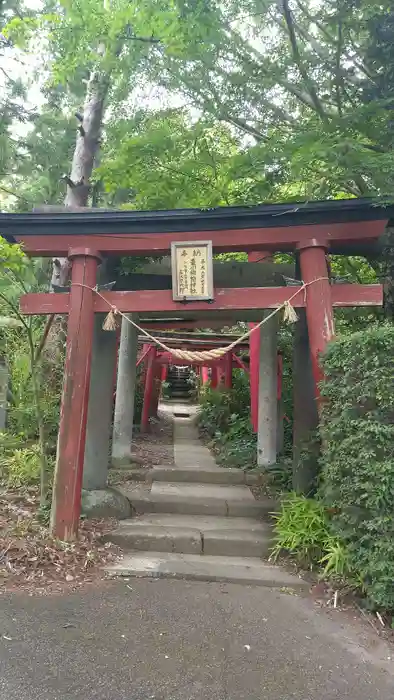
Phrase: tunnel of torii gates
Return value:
(91, 239)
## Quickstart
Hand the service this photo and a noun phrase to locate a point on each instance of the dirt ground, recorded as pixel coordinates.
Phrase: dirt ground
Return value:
(33, 561)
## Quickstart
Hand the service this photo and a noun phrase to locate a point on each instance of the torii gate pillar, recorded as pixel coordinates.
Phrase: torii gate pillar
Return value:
(98, 433)
(148, 389)
(66, 504)
(101, 392)
(204, 375)
(267, 396)
(125, 392)
(319, 312)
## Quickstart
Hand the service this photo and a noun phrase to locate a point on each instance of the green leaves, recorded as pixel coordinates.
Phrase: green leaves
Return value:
(302, 529)
(358, 459)
(165, 161)
(224, 416)
(12, 257)
(8, 322)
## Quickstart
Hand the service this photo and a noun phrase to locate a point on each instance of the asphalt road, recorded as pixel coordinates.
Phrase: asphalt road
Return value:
(173, 640)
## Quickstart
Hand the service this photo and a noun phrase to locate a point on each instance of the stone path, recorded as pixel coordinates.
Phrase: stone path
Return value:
(196, 520)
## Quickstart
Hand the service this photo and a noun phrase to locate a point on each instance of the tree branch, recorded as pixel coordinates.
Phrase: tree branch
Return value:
(11, 80)
(299, 62)
(15, 310)
(145, 39)
(13, 194)
(241, 124)
(338, 81)
(332, 41)
(303, 97)
(41, 345)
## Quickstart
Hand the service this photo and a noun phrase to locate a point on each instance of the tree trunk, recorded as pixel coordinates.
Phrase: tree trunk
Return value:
(4, 382)
(85, 154)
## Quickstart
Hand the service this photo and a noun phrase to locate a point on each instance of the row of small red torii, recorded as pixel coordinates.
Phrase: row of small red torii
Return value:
(219, 374)
(312, 242)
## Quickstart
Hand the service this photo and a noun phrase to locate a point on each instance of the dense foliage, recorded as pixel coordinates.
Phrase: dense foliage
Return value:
(348, 530)
(34, 382)
(358, 456)
(224, 417)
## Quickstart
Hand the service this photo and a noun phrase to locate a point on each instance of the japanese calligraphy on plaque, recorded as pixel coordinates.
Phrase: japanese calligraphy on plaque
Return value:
(192, 278)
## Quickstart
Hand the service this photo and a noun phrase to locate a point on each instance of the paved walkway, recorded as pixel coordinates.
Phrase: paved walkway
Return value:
(177, 640)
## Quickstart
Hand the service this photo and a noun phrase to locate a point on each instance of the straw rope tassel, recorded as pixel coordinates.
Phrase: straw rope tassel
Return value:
(289, 313)
(111, 321)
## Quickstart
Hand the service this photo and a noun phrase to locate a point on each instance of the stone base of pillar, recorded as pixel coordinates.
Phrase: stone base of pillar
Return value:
(105, 503)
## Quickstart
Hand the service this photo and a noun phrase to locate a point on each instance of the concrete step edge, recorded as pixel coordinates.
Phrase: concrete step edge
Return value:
(183, 474)
(242, 570)
(192, 541)
(226, 525)
(157, 531)
(166, 498)
(199, 506)
(204, 475)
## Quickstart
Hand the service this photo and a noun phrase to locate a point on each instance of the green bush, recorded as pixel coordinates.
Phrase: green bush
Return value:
(22, 417)
(237, 447)
(358, 455)
(218, 408)
(301, 529)
(19, 465)
(139, 395)
(214, 412)
(224, 416)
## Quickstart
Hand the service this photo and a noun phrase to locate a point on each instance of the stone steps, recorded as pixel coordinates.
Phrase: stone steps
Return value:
(198, 521)
(245, 570)
(207, 474)
(203, 475)
(196, 499)
(185, 534)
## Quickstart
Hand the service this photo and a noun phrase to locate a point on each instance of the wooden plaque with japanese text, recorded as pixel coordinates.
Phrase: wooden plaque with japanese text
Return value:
(192, 271)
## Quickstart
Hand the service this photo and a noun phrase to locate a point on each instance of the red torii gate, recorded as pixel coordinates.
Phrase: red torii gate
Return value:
(161, 361)
(311, 229)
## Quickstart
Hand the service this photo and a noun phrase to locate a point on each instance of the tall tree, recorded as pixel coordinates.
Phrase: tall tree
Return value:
(292, 78)
(309, 86)
(103, 46)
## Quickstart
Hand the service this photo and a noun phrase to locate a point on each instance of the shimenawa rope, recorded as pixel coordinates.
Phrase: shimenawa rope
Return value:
(111, 323)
